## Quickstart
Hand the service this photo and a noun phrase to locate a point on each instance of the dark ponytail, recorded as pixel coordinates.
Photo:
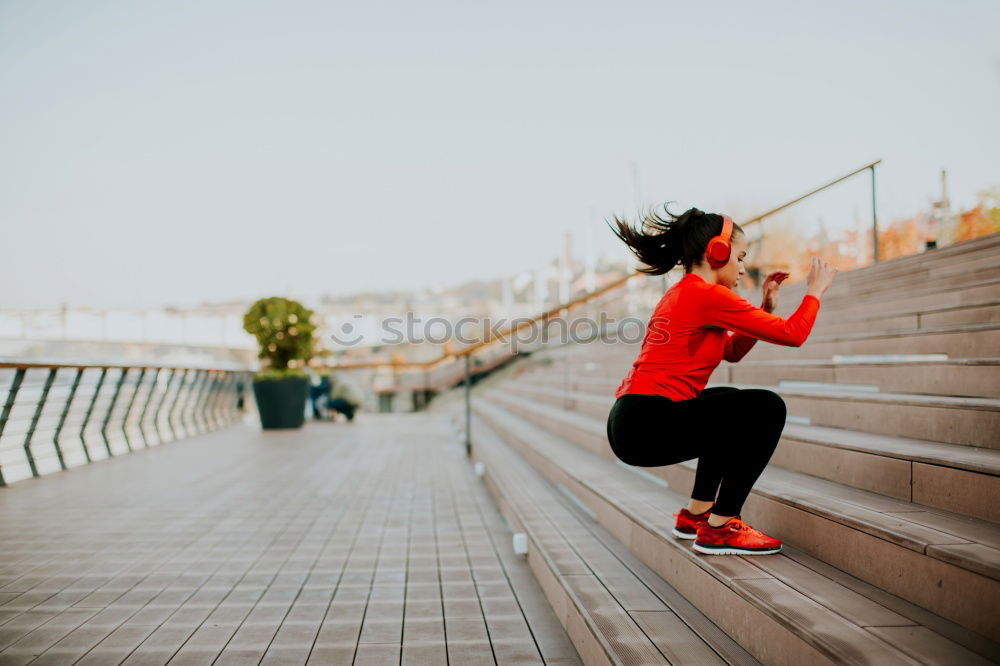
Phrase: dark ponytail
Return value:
(671, 240)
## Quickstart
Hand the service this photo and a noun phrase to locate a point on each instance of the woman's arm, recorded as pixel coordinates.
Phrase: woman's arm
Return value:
(738, 345)
(726, 309)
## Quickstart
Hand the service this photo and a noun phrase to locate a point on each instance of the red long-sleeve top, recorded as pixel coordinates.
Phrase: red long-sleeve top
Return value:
(687, 337)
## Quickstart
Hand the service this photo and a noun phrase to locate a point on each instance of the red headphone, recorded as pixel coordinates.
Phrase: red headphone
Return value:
(719, 248)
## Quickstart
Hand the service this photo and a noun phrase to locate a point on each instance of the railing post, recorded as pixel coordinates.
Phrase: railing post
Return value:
(212, 399)
(15, 385)
(90, 410)
(34, 421)
(201, 402)
(196, 420)
(128, 410)
(208, 403)
(221, 413)
(62, 417)
(173, 406)
(191, 404)
(145, 407)
(874, 218)
(159, 408)
(468, 408)
(111, 408)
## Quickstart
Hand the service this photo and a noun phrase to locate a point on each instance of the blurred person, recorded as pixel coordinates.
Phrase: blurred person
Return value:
(319, 388)
(663, 414)
(344, 396)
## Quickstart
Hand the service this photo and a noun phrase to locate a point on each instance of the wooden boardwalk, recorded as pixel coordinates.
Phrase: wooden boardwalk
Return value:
(369, 543)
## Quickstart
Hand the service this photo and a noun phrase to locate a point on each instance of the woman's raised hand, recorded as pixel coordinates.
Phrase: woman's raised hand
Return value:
(772, 283)
(821, 274)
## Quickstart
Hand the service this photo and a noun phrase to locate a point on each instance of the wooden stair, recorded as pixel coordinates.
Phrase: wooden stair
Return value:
(884, 489)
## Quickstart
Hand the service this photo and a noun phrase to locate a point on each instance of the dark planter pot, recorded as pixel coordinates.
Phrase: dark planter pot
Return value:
(281, 403)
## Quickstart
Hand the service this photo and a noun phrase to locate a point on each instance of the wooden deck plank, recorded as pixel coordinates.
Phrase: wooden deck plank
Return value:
(368, 543)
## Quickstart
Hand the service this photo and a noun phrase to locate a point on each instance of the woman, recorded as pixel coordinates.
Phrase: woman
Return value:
(664, 415)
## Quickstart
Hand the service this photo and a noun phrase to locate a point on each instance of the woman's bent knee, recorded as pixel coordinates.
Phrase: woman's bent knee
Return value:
(767, 401)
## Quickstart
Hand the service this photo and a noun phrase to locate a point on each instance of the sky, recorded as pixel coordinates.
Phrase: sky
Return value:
(184, 151)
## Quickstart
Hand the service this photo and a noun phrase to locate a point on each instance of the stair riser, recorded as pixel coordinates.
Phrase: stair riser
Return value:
(957, 344)
(596, 410)
(826, 325)
(936, 585)
(974, 381)
(888, 476)
(891, 574)
(596, 444)
(925, 269)
(758, 633)
(860, 289)
(957, 490)
(961, 491)
(901, 302)
(982, 314)
(967, 427)
(971, 251)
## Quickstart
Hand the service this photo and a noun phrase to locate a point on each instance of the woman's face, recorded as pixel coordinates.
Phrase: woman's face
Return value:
(730, 274)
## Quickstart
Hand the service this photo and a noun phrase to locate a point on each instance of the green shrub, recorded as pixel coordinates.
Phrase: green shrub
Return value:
(275, 375)
(284, 331)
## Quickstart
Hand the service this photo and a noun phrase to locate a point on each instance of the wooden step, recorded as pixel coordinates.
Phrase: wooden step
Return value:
(976, 253)
(947, 419)
(888, 319)
(947, 277)
(956, 478)
(971, 377)
(853, 286)
(614, 612)
(898, 539)
(953, 420)
(925, 296)
(978, 378)
(776, 606)
(958, 341)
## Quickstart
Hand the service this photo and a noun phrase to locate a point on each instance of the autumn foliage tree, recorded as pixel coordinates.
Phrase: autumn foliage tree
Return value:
(981, 220)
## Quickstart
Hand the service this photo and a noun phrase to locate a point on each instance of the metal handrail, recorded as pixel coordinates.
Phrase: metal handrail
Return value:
(783, 206)
(872, 165)
(117, 366)
(214, 397)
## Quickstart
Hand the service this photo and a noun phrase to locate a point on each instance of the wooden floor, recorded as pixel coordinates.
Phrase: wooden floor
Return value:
(369, 543)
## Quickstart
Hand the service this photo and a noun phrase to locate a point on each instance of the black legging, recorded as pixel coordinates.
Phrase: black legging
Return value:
(732, 432)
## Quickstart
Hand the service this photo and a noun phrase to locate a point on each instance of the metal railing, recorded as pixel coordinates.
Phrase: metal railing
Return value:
(58, 416)
(759, 241)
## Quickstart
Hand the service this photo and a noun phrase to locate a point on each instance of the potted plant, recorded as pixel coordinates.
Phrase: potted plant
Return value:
(284, 332)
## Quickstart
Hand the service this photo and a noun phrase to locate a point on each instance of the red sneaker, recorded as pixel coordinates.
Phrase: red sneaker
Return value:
(734, 538)
(687, 523)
